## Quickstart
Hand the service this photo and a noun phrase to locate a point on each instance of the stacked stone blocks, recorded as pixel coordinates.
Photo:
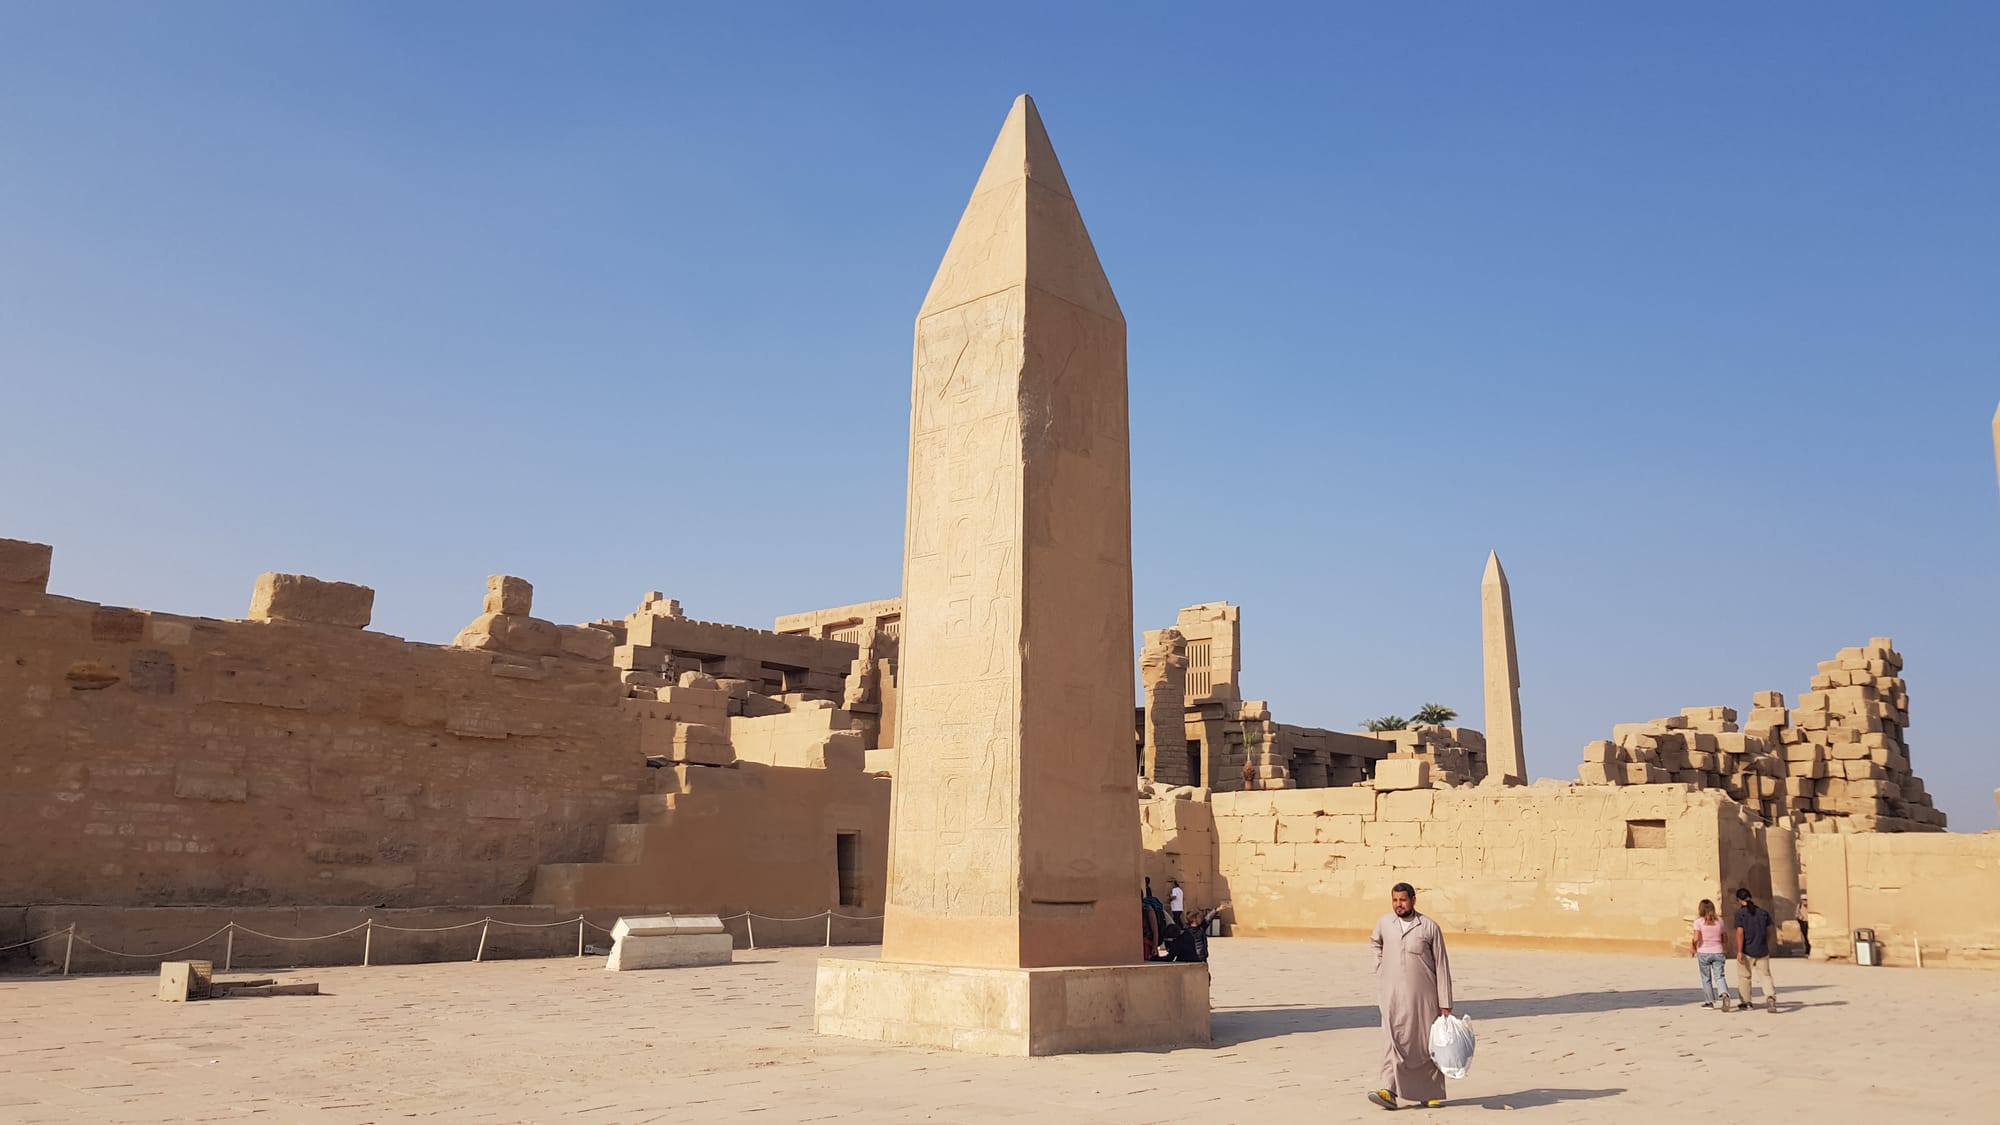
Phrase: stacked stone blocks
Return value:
(1836, 761)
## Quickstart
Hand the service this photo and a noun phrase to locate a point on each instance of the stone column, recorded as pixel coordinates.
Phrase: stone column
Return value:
(1781, 848)
(1163, 675)
(1013, 917)
(1505, 762)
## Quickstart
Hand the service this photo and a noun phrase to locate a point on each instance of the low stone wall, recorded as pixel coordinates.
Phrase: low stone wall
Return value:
(139, 938)
(1603, 865)
(1937, 892)
(149, 935)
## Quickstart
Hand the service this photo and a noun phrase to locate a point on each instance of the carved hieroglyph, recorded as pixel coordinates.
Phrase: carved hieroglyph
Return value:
(1013, 842)
(1505, 764)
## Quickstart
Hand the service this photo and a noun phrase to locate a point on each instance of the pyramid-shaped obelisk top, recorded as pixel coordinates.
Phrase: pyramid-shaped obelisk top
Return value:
(1021, 229)
(1505, 763)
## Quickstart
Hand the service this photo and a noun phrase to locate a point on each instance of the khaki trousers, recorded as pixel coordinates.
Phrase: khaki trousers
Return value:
(1758, 968)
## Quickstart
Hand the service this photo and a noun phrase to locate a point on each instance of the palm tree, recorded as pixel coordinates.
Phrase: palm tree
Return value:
(1435, 714)
(1388, 722)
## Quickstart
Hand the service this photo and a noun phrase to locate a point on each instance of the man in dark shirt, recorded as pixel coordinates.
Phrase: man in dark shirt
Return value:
(1753, 952)
(1183, 945)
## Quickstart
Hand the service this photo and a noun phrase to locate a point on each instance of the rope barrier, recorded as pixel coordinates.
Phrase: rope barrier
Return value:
(33, 940)
(370, 925)
(275, 937)
(149, 956)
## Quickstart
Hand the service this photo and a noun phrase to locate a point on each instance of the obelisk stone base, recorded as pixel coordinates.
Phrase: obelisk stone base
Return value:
(1014, 1011)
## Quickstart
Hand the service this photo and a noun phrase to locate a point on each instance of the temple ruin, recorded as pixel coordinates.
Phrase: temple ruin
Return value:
(979, 787)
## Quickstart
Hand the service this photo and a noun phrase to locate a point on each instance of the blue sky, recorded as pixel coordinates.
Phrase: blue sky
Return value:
(1688, 313)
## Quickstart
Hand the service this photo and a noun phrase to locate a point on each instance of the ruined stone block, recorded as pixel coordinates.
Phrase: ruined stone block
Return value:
(1601, 752)
(522, 636)
(695, 705)
(1413, 804)
(1645, 773)
(302, 598)
(508, 594)
(1601, 773)
(587, 643)
(705, 745)
(25, 564)
(1402, 773)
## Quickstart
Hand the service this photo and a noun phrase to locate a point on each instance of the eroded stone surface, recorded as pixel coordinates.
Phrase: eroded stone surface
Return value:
(299, 597)
(1013, 843)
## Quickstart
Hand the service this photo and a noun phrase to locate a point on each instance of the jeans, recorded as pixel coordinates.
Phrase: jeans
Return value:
(1712, 983)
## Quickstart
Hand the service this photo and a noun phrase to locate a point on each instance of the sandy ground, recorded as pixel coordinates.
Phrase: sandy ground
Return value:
(1562, 1037)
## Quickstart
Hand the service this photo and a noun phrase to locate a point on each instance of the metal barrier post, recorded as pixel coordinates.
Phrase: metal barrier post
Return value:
(750, 924)
(579, 935)
(483, 927)
(69, 948)
(829, 929)
(229, 947)
(368, 941)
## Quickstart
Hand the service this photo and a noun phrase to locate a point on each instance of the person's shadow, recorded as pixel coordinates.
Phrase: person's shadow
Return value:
(1539, 1096)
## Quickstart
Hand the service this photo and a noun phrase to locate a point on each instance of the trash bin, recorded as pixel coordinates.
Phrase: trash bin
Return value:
(1866, 951)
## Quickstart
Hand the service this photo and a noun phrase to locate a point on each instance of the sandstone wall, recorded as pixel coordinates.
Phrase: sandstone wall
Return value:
(756, 838)
(1610, 865)
(154, 758)
(300, 760)
(1178, 834)
(1934, 890)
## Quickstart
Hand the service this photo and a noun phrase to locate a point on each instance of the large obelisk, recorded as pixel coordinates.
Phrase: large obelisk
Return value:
(1505, 763)
(1012, 924)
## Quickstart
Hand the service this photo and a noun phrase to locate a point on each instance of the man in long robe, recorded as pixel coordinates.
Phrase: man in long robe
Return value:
(1413, 988)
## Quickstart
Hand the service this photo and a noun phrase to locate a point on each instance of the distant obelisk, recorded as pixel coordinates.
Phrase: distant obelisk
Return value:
(1505, 764)
(1996, 439)
(1014, 857)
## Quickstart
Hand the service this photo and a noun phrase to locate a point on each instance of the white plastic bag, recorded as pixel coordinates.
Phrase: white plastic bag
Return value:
(1451, 1045)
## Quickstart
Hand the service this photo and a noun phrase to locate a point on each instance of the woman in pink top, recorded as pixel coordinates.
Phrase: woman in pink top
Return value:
(1709, 955)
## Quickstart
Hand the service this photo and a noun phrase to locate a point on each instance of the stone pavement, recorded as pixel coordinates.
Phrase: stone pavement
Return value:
(1562, 1037)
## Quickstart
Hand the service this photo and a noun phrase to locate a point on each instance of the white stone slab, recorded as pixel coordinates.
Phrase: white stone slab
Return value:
(669, 951)
(657, 924)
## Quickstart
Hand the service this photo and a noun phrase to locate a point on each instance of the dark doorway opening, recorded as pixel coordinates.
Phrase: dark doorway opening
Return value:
(847, 860)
